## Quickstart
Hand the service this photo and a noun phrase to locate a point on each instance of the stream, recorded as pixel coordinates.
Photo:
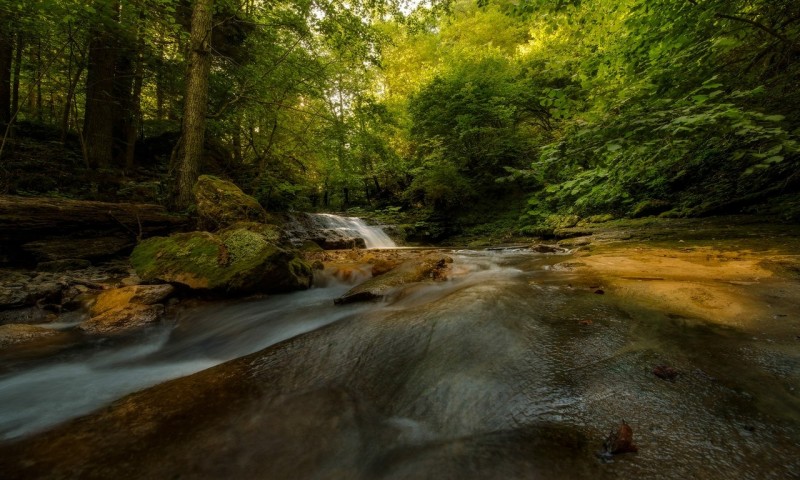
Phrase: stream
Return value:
(509, 369)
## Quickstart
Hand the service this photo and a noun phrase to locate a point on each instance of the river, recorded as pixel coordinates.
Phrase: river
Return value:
(513, 368)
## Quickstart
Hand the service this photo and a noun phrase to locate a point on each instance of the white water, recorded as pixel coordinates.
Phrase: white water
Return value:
(34, 399)
(374, 237)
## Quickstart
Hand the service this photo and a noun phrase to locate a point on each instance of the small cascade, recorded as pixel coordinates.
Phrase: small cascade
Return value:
(374, 237)
(335, 232)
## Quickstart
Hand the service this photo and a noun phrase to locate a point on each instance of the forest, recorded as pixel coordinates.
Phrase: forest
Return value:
(523, 115)
(399, 239)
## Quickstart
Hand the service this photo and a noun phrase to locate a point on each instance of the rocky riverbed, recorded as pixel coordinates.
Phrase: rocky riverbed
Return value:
(513, 362)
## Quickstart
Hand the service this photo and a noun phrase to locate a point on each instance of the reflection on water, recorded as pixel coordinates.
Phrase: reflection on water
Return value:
(509, 369)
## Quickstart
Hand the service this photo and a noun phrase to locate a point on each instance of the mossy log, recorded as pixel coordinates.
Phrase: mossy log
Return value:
(42, 229)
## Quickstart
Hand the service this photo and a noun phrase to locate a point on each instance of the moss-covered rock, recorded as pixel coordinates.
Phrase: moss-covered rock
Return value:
(221, 203)
(236, 261)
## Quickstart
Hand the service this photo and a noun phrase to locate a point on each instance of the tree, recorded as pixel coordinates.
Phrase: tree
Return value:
(98, 123)
(190, 148)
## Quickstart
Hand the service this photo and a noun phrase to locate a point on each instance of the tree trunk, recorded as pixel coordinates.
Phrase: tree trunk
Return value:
(17, 70)
(39, 80)
(135, 116)
(195, 102)
(6, 58)
(98, 124)
(123, 101)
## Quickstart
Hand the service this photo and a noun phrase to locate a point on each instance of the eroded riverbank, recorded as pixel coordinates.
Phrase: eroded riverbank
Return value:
(515, 367)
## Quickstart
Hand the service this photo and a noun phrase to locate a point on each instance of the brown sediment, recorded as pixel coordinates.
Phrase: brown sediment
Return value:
(703, 282)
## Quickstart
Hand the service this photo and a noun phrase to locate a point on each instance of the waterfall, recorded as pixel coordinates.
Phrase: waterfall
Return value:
(374, 237)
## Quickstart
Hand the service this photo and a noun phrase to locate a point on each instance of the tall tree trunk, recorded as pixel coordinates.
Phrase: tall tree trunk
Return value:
(98, 121)
(135, 115)
(195, 102)
(6, 59)
(39, 80)
(123, 101)
(17, 70)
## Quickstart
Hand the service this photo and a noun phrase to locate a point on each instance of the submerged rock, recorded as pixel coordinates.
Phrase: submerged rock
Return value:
(432, 267)
(220, 203)
(17, 334)
(238, 260)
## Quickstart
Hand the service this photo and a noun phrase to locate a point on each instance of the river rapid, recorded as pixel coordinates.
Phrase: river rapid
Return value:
(517, 366)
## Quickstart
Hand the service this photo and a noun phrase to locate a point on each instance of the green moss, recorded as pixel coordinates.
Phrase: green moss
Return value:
(607, 217)
(239, 260)
(198, 252)
(221, 203)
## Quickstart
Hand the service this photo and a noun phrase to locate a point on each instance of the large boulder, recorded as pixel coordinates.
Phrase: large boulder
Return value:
(221, 203)
(237, 260)
(126, 310)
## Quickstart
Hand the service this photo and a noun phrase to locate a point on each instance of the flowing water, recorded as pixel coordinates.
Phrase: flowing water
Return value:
(507, 370)
(354, 226)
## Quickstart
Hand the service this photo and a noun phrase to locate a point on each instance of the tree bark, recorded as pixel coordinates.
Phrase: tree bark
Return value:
(98, 125)
(135, 116)
(195, 102)
(6, 58)
(17, 70)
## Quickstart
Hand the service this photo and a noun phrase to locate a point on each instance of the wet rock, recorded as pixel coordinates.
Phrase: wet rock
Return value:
(575, 242)
(665, 372)
(382, 265)
(619, 441)
(433, 267)
(22, 292)
(236, 261)
(137, 294)
(543, 248)
(24, 315)
(64, 265)
(12, 296)
(122, 320)
(19, 334)
(221, 203)
(330, 239)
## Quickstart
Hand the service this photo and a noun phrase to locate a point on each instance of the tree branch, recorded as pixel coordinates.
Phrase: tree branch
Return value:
(753, 23)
